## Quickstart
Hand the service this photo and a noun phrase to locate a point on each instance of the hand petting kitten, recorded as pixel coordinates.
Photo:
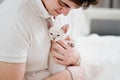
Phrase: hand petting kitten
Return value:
(62, 49)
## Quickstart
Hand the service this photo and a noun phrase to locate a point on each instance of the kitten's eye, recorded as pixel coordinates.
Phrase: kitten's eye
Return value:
(51, 33)
(58, 35)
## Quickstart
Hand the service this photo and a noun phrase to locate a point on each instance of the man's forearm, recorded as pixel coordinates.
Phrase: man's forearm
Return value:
(64, 75)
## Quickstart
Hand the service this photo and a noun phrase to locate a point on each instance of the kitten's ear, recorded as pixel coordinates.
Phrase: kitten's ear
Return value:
(65, 28)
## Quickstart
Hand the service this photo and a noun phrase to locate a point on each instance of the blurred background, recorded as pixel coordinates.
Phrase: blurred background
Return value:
(109, 4)
(1, 1)
(102, 19)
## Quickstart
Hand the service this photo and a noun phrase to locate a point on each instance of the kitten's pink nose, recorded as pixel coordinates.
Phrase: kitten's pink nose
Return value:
(53, 38)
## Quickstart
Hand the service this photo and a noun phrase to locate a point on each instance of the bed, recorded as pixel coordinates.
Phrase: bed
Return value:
(103, 52)
(99, 45)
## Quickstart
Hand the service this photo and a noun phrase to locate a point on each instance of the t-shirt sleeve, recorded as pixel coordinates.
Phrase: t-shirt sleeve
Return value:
(14, 38)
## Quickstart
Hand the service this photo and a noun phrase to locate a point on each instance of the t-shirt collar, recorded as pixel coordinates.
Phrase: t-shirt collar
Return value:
(40, 8)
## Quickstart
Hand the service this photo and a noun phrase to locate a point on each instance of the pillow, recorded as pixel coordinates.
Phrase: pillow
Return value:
(79, 23)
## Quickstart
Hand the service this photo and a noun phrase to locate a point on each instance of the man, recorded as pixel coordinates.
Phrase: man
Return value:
(25, 44)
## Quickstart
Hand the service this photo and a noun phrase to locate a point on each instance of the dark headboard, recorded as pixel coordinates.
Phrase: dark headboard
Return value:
(1, 1)
(105, 27)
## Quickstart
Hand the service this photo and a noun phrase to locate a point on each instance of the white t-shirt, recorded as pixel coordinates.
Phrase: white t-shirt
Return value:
(24, 36)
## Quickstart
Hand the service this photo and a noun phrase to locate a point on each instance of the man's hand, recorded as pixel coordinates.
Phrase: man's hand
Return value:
(63, 53)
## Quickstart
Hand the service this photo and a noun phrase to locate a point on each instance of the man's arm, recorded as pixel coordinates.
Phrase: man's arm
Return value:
(72, 73)
(12, 71)
(64, 75)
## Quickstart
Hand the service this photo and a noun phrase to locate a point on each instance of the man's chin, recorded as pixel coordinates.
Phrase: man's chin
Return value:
(55, 14)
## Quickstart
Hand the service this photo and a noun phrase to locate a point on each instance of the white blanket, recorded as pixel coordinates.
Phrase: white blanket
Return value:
(101, 54)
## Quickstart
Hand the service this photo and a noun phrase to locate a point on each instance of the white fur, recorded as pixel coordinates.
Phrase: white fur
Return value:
(53, 33)
(57, 33)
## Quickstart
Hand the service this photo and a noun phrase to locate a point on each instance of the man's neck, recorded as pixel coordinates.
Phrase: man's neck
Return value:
(43, 1)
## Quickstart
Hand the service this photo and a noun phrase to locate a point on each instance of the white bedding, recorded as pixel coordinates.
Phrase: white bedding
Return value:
(103, 52)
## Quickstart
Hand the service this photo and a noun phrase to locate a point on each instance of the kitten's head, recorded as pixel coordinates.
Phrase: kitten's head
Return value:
(57, 34)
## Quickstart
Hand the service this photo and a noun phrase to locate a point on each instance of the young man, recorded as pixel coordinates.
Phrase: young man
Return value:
(25, 44)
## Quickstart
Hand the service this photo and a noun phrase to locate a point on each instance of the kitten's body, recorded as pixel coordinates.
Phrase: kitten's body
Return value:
(57, 34)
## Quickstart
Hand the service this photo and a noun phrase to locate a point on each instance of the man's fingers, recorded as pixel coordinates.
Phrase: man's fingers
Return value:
(68, 38)
(56, 55)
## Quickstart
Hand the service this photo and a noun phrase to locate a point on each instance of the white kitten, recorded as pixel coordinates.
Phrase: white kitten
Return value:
(57, 34)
